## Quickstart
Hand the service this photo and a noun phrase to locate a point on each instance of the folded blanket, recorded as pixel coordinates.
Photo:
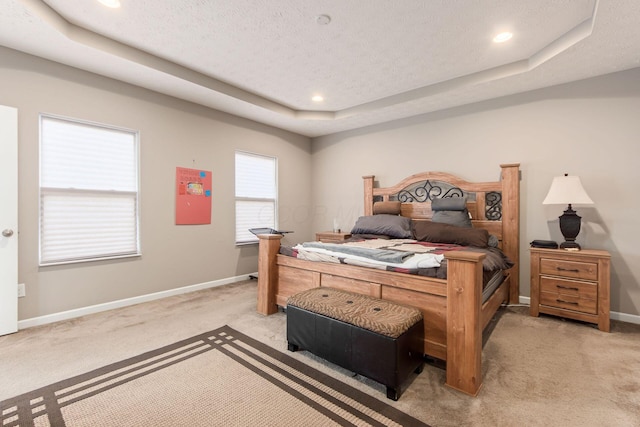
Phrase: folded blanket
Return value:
(382, 255)
(409, 261)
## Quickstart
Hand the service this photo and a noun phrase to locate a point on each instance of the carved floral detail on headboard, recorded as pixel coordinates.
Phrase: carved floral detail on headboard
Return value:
(428, 190)
(493, 206)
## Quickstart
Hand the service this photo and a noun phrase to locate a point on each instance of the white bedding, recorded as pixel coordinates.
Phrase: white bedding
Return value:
(418, 258)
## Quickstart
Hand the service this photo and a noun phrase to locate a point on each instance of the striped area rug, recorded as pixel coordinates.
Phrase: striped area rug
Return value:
(219, 378)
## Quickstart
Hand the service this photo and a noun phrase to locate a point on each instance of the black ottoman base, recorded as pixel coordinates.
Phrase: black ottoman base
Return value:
(389, 361)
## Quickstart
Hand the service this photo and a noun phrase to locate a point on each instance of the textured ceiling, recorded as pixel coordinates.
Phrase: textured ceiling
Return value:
(376, 61)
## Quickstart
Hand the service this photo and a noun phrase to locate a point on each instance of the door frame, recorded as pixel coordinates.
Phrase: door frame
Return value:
(9, 219)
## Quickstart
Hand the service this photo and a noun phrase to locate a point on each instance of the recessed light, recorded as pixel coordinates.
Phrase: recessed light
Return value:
(503, 37)
(317, 98)
(114, 4)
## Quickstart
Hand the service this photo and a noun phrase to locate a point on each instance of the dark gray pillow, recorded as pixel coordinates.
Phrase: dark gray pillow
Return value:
(449, 204)
(384, 224)
(457, 218)
(434, 232)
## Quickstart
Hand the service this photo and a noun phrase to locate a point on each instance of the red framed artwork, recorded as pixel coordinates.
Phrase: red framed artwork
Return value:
(193, 196)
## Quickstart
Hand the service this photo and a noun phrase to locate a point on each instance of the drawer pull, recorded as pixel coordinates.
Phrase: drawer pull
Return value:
(570, 288)
(572, 270)
(566, 302)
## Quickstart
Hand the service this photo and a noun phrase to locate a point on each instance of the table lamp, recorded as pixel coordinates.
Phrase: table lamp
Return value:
(568, 190)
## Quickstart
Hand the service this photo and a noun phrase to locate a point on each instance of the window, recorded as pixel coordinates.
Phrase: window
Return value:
(88, 191)
(256, 194)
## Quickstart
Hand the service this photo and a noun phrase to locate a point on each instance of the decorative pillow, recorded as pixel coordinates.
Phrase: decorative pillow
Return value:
(389, 208)
(457, 218)
(384, 224)
(434, 232)
(449, 204)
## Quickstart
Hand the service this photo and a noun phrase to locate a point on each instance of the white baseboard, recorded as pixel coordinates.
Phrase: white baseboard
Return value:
(70, 314)
(614, 315)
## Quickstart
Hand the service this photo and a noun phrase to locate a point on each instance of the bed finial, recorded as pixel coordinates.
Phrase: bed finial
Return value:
(368, 194)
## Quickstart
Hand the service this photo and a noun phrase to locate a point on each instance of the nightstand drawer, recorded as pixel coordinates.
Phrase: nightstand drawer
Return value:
(566, 268)
(571, 284)
(567, 294)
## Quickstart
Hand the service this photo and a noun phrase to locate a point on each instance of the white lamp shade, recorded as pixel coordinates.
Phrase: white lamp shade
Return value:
(567, 190)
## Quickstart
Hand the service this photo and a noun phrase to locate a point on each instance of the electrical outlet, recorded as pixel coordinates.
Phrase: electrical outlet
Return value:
(21, 290)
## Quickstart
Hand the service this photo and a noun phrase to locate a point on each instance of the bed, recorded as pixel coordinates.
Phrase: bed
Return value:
(454, 310)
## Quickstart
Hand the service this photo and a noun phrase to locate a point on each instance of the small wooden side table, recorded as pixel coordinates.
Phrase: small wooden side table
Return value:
(571, 284)
(332, 237)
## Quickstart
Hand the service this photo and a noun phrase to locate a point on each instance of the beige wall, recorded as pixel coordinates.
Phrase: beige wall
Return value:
(172, 133)
(589, 128)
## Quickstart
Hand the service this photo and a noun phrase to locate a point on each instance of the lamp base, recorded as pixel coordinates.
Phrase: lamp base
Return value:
(570, 227)
(570, 246)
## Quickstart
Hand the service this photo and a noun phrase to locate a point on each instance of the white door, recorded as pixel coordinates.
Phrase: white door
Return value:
(8, 220)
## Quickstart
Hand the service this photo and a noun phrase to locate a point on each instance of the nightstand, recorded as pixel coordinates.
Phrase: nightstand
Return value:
(332, 237)
(571, 284)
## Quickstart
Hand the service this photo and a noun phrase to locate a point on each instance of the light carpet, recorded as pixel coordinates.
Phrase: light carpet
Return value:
(218, 378)
(537, 371)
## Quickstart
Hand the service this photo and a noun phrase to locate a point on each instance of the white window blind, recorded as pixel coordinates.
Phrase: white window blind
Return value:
(256, 194)
(88, 191)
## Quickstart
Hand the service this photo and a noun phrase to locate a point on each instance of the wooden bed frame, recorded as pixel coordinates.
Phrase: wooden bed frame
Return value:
(454, 315)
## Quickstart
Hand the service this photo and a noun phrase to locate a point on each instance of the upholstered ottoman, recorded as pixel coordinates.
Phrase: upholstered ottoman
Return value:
(375, 338)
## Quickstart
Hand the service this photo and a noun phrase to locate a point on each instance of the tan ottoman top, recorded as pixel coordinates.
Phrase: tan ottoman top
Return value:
(374, 314)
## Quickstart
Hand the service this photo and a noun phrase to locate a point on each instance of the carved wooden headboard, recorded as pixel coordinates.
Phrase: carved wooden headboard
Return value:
(494, 206)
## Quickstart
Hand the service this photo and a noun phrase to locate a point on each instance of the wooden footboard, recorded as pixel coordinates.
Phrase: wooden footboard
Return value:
(454, 316)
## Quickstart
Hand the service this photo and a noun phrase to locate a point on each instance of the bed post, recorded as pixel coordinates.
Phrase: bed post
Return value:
(368, 194)
(511, 225)
(464, 325)
(268, 249)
